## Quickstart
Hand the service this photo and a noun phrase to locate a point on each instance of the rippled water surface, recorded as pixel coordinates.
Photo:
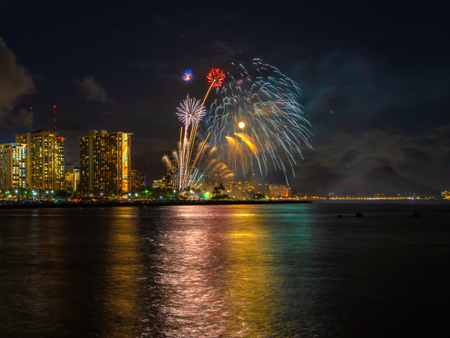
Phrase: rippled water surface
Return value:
(292, 270)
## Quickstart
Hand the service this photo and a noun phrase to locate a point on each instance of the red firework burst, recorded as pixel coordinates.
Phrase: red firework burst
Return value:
(216, 77)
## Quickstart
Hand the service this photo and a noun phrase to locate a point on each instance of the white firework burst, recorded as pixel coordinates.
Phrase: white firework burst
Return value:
(190, 110)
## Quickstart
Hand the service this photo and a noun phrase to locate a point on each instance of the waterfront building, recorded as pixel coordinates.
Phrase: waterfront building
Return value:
(279, 191)
(105, 163)
(45, 159)
(73, 179)
(172, 180)
(247, 189)
(13, 160)
(138, 181)
(157, 184)
(446, 195)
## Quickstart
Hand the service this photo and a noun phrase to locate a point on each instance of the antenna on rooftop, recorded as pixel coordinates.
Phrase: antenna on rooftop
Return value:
(54, 119)
(31, 122)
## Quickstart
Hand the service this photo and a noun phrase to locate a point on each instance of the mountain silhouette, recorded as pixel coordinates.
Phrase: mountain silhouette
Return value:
(376, 181)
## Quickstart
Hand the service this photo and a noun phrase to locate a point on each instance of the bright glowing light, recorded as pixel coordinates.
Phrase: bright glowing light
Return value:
(188, 75)
(241, 125)
(215, 77)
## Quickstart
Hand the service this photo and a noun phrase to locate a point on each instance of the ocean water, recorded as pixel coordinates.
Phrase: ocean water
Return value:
(291, 270)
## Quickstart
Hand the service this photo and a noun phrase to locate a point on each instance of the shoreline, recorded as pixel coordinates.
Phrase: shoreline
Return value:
(140, 204)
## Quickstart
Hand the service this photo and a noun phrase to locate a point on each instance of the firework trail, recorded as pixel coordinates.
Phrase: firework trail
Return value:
(257, 119)
(190, 112)
(207, 165)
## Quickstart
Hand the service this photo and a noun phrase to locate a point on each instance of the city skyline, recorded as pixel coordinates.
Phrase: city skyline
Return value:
(376, 95)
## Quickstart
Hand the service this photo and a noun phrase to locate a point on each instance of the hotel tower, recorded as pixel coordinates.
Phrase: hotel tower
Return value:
(45, 159)
(105, 160)
(13, 159)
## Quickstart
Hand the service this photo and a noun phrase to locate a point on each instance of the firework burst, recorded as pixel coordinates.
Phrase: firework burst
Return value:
(190, 110)
(188, 75)
(215, 77)
(183, 165)
(257, 119)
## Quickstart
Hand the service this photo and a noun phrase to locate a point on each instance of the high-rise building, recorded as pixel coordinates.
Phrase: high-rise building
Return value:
(280, 191)
(105, 163)
(13, 160)
(172, 176)
(45, 159)
(73, 179)
(137, 180)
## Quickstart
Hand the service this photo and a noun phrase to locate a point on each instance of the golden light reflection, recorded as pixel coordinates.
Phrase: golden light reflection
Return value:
(241, 235)
(122, 273)
(216, 276)
(250, 295)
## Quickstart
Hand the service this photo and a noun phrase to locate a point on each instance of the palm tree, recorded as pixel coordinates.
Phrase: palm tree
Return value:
(217, 189)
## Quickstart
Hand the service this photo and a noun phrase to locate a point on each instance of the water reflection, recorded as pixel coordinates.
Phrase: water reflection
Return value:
(214, 275)
(123, 283)
(250, 283)
(187, 278)
(220, 271)
(70, 275)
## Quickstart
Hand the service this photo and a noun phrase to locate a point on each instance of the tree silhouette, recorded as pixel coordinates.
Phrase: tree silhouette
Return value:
(217, 189)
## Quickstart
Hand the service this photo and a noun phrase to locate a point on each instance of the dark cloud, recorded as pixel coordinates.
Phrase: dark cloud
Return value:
(72, 128)
(22, 118)
(92, 89)
(14, 82)
(411, 155)
(349, 156)
(415, 154)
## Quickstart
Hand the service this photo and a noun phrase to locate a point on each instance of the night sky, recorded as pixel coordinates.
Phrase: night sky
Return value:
(383, 71)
